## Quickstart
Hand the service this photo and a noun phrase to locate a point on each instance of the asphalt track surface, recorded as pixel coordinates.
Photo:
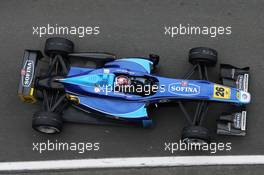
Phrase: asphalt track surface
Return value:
(131, 28)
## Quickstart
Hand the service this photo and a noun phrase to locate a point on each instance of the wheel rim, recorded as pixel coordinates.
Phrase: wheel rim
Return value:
(47, 129)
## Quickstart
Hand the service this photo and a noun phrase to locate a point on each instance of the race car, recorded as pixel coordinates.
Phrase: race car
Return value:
(120, 91)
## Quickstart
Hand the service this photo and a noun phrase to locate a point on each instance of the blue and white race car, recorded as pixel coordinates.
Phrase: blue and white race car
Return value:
(120, 91)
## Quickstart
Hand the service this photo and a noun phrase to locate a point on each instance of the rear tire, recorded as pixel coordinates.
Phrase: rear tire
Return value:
(47, 122)
(59, 46)
(196, 134)
(203, 55)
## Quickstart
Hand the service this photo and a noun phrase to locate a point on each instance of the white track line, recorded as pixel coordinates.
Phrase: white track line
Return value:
(131, 162)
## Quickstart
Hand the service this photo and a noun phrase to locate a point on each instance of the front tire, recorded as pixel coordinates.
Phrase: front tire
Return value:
(203, 55)
(47, 122)
(196, 134)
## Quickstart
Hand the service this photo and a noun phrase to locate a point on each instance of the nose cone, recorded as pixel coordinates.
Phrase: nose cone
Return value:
(245, 97)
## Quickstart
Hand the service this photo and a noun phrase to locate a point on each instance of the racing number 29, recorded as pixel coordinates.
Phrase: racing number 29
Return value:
(221, 92)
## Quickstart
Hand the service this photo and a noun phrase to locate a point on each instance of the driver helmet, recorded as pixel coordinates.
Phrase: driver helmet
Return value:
(122, 80)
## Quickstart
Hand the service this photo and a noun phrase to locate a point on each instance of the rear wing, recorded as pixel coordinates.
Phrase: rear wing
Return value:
(27, 75)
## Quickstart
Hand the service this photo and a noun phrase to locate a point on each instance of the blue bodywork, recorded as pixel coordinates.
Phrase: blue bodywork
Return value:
(94, 90)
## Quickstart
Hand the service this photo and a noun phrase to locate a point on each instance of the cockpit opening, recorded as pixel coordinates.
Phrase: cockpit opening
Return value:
(136, 85)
